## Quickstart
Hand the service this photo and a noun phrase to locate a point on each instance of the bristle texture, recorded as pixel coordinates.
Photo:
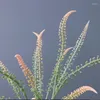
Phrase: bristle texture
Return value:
(27, 73)
(76, 93)
(37, 62)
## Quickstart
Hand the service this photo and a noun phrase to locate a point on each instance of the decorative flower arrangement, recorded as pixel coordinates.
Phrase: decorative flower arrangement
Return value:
(61, 73)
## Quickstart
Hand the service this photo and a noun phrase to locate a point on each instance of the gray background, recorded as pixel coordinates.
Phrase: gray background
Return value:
(19, 18)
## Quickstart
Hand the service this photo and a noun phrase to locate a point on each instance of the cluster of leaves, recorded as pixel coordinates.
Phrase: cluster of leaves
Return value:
(61, 73)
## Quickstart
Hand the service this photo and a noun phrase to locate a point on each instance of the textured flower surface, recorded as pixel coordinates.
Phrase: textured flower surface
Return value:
(61, 73)
(76, 93)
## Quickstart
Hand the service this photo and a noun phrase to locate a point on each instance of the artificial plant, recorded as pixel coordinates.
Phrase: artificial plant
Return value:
(61, 73)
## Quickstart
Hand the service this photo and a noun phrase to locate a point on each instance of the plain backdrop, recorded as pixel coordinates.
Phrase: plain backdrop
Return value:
(19, 18)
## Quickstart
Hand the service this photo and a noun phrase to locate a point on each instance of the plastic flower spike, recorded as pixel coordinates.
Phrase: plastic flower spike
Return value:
(28, 74)
(76, 93)
(37, 63)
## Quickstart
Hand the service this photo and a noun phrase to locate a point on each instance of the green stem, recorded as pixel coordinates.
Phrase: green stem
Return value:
(22, 89)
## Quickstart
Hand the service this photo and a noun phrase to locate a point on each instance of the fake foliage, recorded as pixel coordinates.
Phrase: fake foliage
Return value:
(61, 73)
